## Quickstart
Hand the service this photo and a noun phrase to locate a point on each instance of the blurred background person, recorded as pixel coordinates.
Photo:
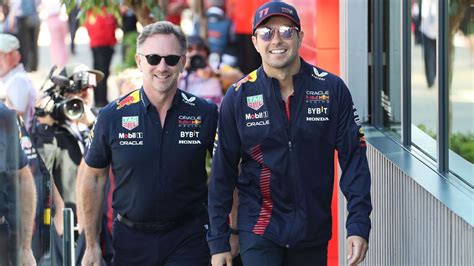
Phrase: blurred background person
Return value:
(129, 28)
(101, 27)
(220, 35)
(73, 22)
(14, 164)
(16, 87)
(174, 10)
(58, 30)
(199, 79)
(429, 30)
(129, 80)
(24, 22)
(3, 15)
(65, 114)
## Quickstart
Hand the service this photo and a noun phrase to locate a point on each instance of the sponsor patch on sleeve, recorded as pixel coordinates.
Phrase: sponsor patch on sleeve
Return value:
(132, 98)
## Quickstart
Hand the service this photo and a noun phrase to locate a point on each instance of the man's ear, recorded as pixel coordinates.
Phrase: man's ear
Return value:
(254, 41)
(300, 39)
(138, 60)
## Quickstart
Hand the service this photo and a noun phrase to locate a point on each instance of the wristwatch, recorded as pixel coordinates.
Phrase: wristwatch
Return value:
(234, 231)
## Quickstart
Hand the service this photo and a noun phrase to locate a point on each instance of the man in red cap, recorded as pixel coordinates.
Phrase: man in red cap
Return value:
(282, 124)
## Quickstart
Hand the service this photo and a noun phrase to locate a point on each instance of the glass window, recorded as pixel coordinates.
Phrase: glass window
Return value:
(424, 81)
(424, 87)
(391, 94)
(461, 89)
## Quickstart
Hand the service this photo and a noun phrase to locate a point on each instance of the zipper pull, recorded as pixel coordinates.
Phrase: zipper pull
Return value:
(289, 145)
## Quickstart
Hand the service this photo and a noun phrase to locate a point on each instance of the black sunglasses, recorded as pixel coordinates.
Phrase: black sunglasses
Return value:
(155, 59)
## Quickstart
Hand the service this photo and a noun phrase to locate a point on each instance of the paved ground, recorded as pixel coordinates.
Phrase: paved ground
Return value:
(424, 99)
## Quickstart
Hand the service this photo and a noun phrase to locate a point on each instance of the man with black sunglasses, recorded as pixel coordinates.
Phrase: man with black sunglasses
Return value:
(155, 140)
(282, 125)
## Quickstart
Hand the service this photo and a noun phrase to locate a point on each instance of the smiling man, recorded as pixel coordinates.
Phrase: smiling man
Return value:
(282, 124)
(155, 140)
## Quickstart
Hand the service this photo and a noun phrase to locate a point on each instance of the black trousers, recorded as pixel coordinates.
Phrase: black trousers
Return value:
(73, 22)
(184, 245)
(429, 56)
(28, 32)
(102, 57)
(257, 250)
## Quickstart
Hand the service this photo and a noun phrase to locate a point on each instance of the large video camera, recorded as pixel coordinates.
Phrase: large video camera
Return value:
(64, 107)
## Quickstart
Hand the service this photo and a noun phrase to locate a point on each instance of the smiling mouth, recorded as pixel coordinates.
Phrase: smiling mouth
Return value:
(161, 77)
(278, 51)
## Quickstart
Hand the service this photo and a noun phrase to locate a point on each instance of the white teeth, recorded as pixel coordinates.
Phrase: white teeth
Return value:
(277, 51)
(161, 76)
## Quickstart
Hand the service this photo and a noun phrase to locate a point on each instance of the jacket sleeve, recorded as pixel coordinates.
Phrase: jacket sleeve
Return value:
(355, 179)
(223, 175)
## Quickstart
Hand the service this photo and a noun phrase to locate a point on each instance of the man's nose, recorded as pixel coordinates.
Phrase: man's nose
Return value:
(162, 66)
(276, 37)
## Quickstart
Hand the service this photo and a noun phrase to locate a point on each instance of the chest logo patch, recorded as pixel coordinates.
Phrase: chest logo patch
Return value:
(130, 122)
(255, 102)
(189, 100)
(318, 75)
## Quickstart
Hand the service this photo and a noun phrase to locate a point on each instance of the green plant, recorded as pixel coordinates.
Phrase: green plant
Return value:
(460, 143)
(130, 48)
(463, 144)
(147, 11)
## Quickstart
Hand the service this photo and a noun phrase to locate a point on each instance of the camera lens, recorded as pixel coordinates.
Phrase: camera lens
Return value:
(73, 109)
(197, 62)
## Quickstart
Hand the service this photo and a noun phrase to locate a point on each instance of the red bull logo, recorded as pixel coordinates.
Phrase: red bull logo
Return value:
(132, 98)
(252, 77)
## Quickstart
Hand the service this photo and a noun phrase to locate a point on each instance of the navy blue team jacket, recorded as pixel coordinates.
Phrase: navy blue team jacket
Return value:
(160, 172)
(286, 157)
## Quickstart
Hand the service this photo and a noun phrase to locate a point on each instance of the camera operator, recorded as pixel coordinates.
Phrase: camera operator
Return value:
(64, 117)
(199, 79)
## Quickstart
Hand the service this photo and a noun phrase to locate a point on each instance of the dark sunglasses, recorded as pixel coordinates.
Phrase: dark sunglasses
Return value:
(266, 34)
(155, 59)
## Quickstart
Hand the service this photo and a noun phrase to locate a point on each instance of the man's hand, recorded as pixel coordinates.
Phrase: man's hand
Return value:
(234, 245)
(47, 120)
(27, 258)
(88, 117)
(356, 249)
(221, 259)
(47, 104)
(92, 256)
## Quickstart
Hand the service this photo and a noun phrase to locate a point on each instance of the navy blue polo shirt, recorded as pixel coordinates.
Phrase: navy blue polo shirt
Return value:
(159, 171)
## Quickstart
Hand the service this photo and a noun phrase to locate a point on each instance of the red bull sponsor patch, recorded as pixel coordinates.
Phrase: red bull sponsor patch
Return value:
(130, 122)
(189, 121)
(132, 98)
(252, 77)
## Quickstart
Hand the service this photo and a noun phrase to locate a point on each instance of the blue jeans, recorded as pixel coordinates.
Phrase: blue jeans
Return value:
(257, 250)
